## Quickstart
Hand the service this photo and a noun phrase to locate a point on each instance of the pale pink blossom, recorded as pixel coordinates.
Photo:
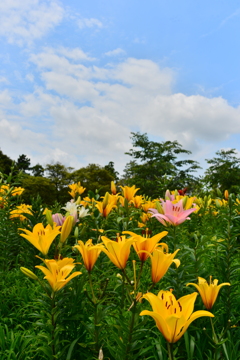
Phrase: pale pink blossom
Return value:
(173, 214)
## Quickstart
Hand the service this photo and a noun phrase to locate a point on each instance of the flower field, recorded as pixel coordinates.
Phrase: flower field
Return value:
(120, 277)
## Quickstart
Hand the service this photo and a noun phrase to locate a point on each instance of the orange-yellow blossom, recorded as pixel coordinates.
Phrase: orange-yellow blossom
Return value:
(17, 191)
(106, 206)
(76, 189)
(172, 316)
(145, 245)
(20, 210)
(161, 261)
(87, 201)
(208, 292)
(113, 188)
(118, 251)
(148, 205)
(66, 228)
(129, 192)
(89, 253)
(57, 271)
(137, 201)
(41, 237)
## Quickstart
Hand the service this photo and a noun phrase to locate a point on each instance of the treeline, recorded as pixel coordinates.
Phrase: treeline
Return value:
(154, 167)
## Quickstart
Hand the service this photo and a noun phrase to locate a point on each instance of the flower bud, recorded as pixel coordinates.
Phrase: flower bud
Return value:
(49, 217)
(28, 273)
(66, 229)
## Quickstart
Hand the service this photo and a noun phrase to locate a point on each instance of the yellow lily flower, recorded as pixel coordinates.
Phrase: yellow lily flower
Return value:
(161, 261)
(17, 213)
(113, 188)
(208, 292)
(41, 237)
(137, 201)
(145, 217)
(145, 245)
(172, 316)
(76, 189)
(118, 251)
(148, 205)
(226, 194)
(66, 228)
(129, 192)
(17, 191)
(105, 211)
(57, 271)
(89, 253)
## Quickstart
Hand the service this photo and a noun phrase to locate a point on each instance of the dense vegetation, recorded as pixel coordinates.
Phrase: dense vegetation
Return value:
(77, 298)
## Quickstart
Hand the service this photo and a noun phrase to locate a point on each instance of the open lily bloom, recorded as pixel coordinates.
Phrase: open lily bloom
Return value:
(89, 253)
(173, 214)
(145, 245)
(129, 192)
(172, 316)
(57, 271)
(118, 251)
(208, 292)
(41, 237)
(161, 261)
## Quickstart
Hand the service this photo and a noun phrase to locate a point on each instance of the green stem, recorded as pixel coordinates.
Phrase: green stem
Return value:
(215, 340)
(91, 286)
(139, 274)
(151, 287)
(128, 347)
(53, 312)
(126, 277)
(174, 238)
(170, 350)
(96, 328)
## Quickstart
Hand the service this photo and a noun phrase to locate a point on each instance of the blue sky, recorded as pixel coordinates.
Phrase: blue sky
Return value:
(77, 77)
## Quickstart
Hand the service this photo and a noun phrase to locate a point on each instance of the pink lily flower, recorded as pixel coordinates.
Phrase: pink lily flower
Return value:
(58, 219)
(174, 214)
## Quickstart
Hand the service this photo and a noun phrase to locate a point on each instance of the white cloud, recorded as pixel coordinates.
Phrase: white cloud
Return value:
(23, 21)
(3, 80)
(84, 114)
(74, 54)
(115, 52)
(89, 23)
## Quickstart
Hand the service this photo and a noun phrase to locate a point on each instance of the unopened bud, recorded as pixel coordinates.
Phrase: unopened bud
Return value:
(66, 228)
(49, 217)
(28, 273)
(159, 207)
(100, 355)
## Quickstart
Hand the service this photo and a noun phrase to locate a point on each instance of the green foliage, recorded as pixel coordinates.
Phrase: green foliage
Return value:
(159, 166)
(224, 171)
(60, 177)
(37, 170)
(93, 177)
(5, 163)
(23, 163)
(38, 186)
(110, 168)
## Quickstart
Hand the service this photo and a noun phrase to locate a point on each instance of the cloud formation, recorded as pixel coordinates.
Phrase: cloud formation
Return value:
(84, 113)
(89, 23)
(115, 52)
(23, 21)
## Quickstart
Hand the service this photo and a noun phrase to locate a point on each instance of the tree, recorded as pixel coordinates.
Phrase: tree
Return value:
(155, 166)
(94, 177)
(5, 163)
(110, 168)
(23, 163)
(60, 176)
(224, 171)
(37, 170)
(35, 185)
